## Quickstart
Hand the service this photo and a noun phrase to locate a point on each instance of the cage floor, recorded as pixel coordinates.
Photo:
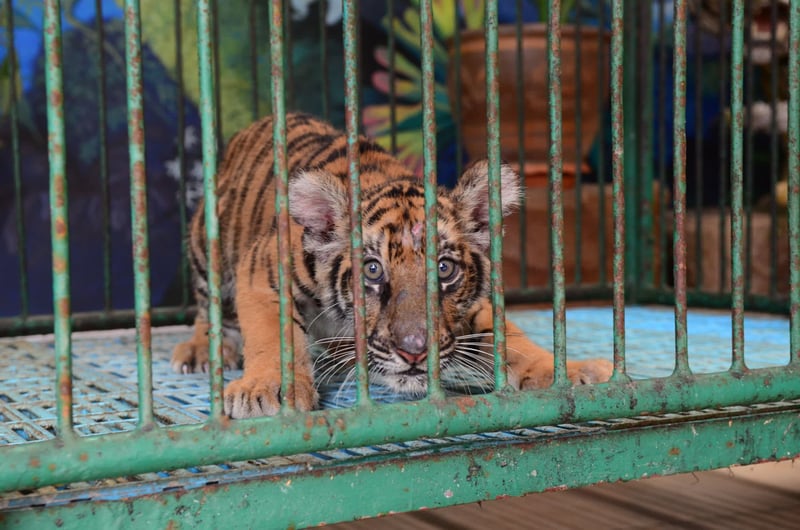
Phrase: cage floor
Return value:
(104, 366)
(105, 390)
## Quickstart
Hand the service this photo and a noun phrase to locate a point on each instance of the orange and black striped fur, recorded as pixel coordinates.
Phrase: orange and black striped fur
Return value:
(394, 270)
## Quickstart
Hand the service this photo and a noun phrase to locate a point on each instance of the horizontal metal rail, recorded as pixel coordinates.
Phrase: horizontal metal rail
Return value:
(58, 461)
(619, 452)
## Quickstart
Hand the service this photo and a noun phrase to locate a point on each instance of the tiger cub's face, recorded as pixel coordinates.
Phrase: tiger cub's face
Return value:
(393, 220)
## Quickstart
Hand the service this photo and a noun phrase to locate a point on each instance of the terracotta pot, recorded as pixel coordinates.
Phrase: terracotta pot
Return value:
(472, 91)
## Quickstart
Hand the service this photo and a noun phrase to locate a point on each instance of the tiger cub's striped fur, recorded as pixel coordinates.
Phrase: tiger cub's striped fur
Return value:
(394, 270)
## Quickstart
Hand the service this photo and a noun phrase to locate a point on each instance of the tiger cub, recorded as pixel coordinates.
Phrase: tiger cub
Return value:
(394, 272)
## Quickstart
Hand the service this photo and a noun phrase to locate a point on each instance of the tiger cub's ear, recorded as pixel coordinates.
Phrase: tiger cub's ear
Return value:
(317, 201)
(472, 196)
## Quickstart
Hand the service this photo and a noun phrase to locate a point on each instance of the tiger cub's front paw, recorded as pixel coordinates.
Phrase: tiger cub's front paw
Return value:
(250, 397)
(192, 356)
(589, 372)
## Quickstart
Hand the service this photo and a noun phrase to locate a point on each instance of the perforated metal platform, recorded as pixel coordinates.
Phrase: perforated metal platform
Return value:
(104, 366)
(105, 389)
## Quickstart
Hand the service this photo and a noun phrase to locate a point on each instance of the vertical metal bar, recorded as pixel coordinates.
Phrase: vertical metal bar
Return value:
(287, 55)
(578, 154)
(103, 154)
(431, 218)
(214, 9)
(774, 161)
(698, 158)
(18, 205)
(601, 141)
(59, 217)
(209, 126)
(723, 142)
(352, 113)
(141, 260)
(556, 193)
(392, 44)
(644, 253)
(748, 154)
(618, 170)
(679, 177)
(737, 184)
(794, 180)
(253, 28)
(181, 125)
(456, 105)
(520, 79)
(632, 142)
(662, 141)
(323, 51)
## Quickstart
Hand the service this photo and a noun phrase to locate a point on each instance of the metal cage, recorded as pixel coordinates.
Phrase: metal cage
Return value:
(192, 465)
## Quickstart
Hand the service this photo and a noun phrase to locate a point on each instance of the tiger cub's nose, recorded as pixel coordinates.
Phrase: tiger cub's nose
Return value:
(412, 347)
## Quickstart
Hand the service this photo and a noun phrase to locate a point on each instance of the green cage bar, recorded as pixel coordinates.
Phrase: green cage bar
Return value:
(794, 180)
(281, 172)
(495, 205)
(181, 155)
(737, 186)
(556, 194)
(59, 217)
(352, 113)
(431, 217)
(520, 98)
(210, 127)
(141, 251)
(103, 153)
(13, 115)
(618, 183)
(679, 188)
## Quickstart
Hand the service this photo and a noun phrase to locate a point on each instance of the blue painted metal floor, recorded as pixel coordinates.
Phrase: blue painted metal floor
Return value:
(104, 366)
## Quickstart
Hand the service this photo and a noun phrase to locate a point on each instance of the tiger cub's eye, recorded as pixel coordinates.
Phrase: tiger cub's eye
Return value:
(447, 269)
(373, 270)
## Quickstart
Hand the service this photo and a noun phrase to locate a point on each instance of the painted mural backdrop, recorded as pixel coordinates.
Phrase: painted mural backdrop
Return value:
(243, 33)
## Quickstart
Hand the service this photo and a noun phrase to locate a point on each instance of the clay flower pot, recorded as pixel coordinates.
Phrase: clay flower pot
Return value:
(472, 91)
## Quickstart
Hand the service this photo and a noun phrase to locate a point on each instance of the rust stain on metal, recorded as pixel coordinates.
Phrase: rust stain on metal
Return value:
(674, 451)
(34, 462)
(466, 403)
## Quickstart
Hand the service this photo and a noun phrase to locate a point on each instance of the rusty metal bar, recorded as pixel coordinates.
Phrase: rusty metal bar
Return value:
(679, 188)
(556, 193)
(180, 112)
(722, 28)
(698, 160)
(392, 50)
(661, 118)
(253, 29)
(737, 185)
(352, 113)
(495, 205)
(59, 216)
(578, 151)
(103, 152)
(22, 261)
(774, 143)
(749, 148)
(141, 256)
(520, 102)
(794, 180)
(456, 105)
(432, 309)
(323, 51)
(601, 141)
(210, 127)
(281, 172)
(618, 184)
